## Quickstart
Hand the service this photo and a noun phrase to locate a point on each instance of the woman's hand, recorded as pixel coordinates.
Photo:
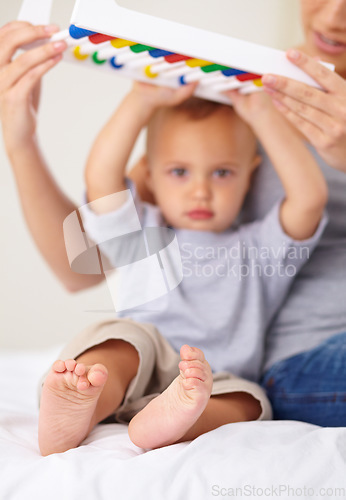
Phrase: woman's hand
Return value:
(319, 116)
(20, 79)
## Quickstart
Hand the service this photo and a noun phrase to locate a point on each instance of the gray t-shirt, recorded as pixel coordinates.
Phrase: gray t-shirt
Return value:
(233, 284)
(315, 308)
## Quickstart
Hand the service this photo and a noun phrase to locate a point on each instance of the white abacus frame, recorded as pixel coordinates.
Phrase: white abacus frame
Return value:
(107, 17)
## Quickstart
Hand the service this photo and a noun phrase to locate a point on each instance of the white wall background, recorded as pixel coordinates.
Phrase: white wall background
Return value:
(35, 310)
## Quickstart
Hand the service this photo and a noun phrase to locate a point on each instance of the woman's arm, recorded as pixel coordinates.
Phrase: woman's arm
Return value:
(319, 115)
(44, 205)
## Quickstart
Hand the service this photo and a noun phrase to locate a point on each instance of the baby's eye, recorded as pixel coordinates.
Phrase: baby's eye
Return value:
(178, 171)
(222, 172)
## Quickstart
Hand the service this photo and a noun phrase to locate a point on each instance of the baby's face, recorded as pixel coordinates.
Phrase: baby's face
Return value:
(200, 170)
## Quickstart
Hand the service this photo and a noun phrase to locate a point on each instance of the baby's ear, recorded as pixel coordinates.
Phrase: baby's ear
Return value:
(140, 175)
(146, 172)
(256, 162)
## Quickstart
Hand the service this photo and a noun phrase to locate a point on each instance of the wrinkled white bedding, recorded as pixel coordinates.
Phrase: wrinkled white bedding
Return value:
(245, 460)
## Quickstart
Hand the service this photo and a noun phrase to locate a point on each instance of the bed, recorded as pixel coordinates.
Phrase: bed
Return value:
(251, 460)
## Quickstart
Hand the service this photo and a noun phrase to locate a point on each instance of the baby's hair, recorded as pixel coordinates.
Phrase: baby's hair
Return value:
(198, 109)
(193, 107)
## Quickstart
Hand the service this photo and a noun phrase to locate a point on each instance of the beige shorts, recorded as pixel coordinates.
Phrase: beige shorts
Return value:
(158, 366)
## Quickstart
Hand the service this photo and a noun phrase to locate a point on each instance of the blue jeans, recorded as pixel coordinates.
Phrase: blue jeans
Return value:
(310, 386)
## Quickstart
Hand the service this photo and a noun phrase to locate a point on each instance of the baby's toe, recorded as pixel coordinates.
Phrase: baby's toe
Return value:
(80, 369)
(83, 383)
(59, 366)
(97, 375)
(70, 364)
(188, 353)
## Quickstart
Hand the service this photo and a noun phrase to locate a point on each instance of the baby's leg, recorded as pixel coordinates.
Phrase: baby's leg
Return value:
(225, 409)
(185, 409)
(77, 394)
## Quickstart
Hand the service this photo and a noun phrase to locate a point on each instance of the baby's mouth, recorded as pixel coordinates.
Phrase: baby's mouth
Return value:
(200, 214)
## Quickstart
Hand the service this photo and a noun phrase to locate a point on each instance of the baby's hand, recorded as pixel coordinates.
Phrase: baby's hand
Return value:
(154, 96)
(251, 107)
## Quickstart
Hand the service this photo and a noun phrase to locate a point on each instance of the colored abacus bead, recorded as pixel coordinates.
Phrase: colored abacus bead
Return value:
(97, 60)
(113, 63)
(77, 33)
(121, 53)
(78, 55)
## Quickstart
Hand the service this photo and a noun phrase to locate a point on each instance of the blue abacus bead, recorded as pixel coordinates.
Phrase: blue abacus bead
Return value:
(232, 72)
(159, 53)
(113, 63)
(77, 33)
(182, 80)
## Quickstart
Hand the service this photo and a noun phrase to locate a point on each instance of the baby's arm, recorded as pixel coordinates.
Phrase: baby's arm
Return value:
(105, 170)
(302, 180)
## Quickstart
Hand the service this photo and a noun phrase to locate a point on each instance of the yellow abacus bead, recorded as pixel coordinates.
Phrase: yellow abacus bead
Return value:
(119, 43)
(258, 82)
(194, 63)
(78, 55)
(148, 73)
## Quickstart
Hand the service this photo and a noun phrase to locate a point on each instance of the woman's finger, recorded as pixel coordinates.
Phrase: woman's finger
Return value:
(304, 94)
(13, 25)
(321, 119)
(297, 90)
(310, 130)
(28, 83)
(29, 60)
(328, 80)
(15, 35)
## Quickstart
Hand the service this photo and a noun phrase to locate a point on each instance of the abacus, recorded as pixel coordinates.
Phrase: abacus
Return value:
(146, 48)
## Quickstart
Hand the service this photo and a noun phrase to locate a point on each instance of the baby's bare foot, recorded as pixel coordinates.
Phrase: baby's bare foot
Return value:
(68, 402)
(168, 417)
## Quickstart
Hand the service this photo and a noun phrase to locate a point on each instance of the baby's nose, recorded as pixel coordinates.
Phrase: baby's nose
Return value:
(201, 188)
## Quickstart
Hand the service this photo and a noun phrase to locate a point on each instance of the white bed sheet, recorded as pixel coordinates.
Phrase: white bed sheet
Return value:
(245, 460)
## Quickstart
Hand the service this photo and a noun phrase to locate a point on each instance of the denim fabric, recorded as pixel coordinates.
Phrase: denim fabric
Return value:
(310, 386)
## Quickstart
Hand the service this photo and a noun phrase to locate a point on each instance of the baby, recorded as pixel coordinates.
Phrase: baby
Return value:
(199, 160)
